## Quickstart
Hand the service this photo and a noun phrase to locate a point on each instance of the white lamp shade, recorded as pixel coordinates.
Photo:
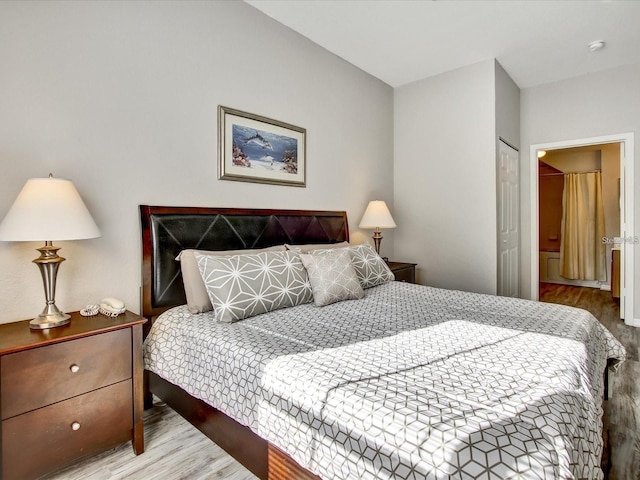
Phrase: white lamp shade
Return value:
(377, 215)
(48, 209)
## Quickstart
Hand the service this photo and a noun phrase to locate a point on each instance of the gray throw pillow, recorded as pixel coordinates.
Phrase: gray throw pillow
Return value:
(194, 289)
(332, 277)
(241, 286)
(371, 269)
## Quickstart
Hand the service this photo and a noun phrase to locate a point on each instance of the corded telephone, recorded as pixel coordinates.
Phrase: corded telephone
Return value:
(112, 307)
(109, 306)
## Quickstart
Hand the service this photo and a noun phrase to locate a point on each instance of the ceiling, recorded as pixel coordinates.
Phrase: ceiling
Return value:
(401, 41)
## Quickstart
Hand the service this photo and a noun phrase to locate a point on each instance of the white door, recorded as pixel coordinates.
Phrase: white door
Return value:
(508, 221)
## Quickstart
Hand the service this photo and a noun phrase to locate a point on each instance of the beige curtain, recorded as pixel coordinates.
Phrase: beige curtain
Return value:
(582, 252)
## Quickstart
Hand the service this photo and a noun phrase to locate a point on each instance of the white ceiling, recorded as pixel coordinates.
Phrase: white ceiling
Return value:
(401, 41)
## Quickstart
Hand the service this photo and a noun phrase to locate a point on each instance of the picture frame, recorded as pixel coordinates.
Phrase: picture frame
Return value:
(253, 148)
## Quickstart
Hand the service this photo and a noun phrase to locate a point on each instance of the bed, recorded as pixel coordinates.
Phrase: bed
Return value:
(407, 382)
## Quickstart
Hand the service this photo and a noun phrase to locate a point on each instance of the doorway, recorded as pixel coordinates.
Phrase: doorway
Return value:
(576, 242)
(625, 208)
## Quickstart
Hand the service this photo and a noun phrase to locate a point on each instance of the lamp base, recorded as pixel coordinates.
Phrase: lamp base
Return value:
(49, 318)
(48, 263)
(377, 239)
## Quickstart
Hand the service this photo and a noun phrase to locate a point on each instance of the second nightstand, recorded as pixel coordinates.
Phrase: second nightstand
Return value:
(69, 391)
(404, 272)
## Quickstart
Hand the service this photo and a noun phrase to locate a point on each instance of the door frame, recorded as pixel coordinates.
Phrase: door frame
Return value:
(626, 217)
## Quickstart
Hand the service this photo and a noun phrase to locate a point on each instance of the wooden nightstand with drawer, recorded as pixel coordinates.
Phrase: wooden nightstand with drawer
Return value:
(404, 272)
(69, 391)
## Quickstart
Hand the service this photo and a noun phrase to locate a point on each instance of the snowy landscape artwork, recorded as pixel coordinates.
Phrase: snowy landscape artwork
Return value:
(258, 149)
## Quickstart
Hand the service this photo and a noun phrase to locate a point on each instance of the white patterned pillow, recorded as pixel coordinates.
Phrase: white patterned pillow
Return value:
(369, 266)
(332, 276)
(242, 286)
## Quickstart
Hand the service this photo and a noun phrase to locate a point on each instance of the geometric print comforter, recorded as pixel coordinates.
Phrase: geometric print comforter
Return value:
(409, 382)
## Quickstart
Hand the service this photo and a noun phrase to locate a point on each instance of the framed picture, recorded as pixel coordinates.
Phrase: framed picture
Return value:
(257, 149)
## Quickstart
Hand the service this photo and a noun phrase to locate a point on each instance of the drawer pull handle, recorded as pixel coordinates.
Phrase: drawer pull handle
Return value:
(75, 426)
(74, 368)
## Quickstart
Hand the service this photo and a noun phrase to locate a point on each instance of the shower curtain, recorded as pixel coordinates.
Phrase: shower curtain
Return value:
(582, 251)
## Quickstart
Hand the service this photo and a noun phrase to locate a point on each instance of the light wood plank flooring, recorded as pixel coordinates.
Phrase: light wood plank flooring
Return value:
(176, 450)
(621, 420)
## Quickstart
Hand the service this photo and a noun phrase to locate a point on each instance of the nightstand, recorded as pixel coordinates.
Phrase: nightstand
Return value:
(69, 391)
(404, 272)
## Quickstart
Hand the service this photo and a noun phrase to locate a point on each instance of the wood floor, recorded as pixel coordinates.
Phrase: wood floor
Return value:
(176, 450)
(621, 420)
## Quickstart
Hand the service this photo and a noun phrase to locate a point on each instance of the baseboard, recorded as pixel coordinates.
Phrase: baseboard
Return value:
(605, 287)
(633, 323)
(574, 283)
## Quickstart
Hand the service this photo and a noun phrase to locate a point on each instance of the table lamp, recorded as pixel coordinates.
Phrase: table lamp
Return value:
(377, 216)
(48, 209)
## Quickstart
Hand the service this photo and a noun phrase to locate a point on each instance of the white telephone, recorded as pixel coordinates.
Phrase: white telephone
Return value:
(111, 307)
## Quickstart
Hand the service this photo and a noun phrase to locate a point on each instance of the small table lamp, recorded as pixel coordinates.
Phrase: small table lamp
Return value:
(377, 216)
(48, 208)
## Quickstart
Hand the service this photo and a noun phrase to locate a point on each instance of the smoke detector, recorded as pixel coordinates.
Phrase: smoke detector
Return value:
(596, 45)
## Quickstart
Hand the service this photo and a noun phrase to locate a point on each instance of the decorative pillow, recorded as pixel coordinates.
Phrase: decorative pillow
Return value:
(197, 297)
(308, 247)
(332, 276)
(369, 266)
(242, 286)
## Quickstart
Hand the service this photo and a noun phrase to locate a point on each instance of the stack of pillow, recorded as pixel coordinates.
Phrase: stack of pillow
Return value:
(237, 284)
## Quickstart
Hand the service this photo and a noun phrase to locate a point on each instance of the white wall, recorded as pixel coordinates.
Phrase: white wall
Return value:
(598, 104)
(444, 176)
(507, 108)
(121, 98)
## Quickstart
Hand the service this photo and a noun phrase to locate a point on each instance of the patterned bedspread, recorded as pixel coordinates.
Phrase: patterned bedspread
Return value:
(409, 382)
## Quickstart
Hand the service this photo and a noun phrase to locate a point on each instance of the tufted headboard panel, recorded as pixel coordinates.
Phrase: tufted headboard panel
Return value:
(168, 230)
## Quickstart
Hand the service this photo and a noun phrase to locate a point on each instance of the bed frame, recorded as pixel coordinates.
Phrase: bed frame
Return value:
(168, 230)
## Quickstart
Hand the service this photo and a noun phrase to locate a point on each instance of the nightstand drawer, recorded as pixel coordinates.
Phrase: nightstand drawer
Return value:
(45, 375)
(46, 439)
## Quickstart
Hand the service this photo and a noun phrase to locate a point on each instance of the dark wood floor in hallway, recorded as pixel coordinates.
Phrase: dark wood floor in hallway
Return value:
(621, 420)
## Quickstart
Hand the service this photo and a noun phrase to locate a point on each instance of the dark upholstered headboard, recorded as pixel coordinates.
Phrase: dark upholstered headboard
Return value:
(168, 230)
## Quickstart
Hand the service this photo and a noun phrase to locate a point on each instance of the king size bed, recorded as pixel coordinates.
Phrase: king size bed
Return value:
(391, 380)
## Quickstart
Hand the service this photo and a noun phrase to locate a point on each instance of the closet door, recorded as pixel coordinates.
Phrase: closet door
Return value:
(508, 183)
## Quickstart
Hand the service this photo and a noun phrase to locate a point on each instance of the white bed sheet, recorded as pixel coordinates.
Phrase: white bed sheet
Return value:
(409, 382)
